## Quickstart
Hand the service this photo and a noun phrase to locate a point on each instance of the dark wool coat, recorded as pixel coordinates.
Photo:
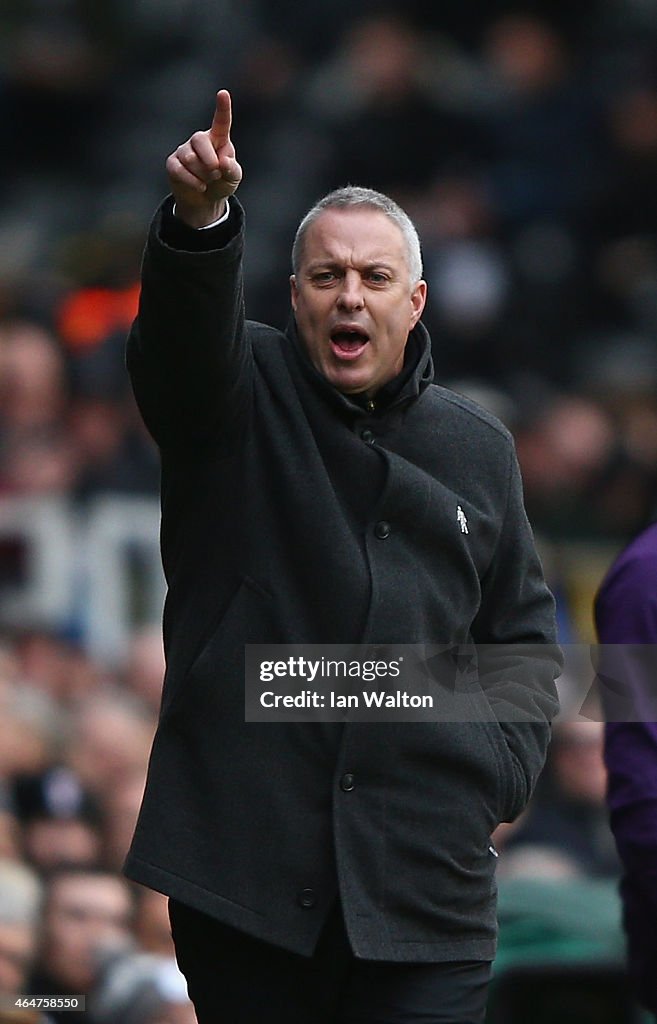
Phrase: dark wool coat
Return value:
(273, 484)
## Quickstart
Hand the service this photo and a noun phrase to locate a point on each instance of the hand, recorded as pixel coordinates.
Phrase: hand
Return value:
(203, 171)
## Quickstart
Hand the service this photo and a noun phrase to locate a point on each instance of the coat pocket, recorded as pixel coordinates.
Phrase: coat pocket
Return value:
(216, 671)
(503, 760)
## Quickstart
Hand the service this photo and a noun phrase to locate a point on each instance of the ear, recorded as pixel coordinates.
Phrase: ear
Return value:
(418, 301)
(293, 293)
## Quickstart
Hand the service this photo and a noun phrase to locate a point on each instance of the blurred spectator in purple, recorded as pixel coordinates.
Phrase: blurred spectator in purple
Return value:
(626, 622)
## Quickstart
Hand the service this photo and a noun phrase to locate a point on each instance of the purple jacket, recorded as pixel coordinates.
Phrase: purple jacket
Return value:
(626, 613)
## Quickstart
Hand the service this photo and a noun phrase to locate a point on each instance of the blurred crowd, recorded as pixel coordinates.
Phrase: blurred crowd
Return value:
(74, 742)
(522, 138)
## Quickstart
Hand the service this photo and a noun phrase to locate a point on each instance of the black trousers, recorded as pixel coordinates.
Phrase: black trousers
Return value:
(235, 979)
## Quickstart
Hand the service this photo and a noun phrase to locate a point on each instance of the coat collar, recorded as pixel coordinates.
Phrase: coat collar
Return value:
(415, 376)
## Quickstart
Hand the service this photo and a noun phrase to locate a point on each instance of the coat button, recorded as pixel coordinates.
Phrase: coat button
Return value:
(382, 530)
(368, 436)
(307, 898)
(347, 782)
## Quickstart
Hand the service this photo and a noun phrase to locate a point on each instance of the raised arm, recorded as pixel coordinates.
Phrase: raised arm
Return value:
(187, 353)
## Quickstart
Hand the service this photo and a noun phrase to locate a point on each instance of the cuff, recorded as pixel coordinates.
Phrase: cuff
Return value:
(215, 223)
(178, 235)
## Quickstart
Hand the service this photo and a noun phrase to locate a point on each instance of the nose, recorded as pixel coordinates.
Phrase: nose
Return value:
(351, 295)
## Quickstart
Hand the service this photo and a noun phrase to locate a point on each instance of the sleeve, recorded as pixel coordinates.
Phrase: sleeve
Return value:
(188, 354)
(516, 638)
(626, 622)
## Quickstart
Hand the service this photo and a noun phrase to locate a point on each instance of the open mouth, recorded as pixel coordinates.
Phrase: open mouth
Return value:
(348, 342)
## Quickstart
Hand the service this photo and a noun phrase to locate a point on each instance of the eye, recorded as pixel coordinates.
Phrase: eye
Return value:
(377, 277)
(324, 277)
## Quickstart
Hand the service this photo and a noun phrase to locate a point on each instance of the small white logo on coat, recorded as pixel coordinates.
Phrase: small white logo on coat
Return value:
(461, 520)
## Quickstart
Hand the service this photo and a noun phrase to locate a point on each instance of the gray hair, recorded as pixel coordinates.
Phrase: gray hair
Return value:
(354, 196)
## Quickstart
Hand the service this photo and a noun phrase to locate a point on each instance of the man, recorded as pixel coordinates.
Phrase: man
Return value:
(317, 488)
(626, 621)
(60, 819)
(87, 913)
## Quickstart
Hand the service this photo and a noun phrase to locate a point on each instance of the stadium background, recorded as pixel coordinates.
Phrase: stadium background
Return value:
(522, 138)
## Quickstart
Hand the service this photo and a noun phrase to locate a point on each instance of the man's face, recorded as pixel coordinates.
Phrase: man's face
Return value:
(85, 913)
(353, 298)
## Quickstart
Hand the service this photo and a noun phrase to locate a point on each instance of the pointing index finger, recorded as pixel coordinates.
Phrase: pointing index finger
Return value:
(220, 130)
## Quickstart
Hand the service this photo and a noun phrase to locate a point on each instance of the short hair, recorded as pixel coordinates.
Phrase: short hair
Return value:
(355, 196)
(65, 872)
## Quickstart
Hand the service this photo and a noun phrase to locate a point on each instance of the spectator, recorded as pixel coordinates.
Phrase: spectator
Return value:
(86, 913)
(55, 665)
(112, 733)
(35, 455)
(31, 730)
(565, 446)
(377, 95)
(626, 620)
(60, 821)
(542, 126)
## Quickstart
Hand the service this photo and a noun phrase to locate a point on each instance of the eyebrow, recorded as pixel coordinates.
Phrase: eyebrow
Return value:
(332, 264)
